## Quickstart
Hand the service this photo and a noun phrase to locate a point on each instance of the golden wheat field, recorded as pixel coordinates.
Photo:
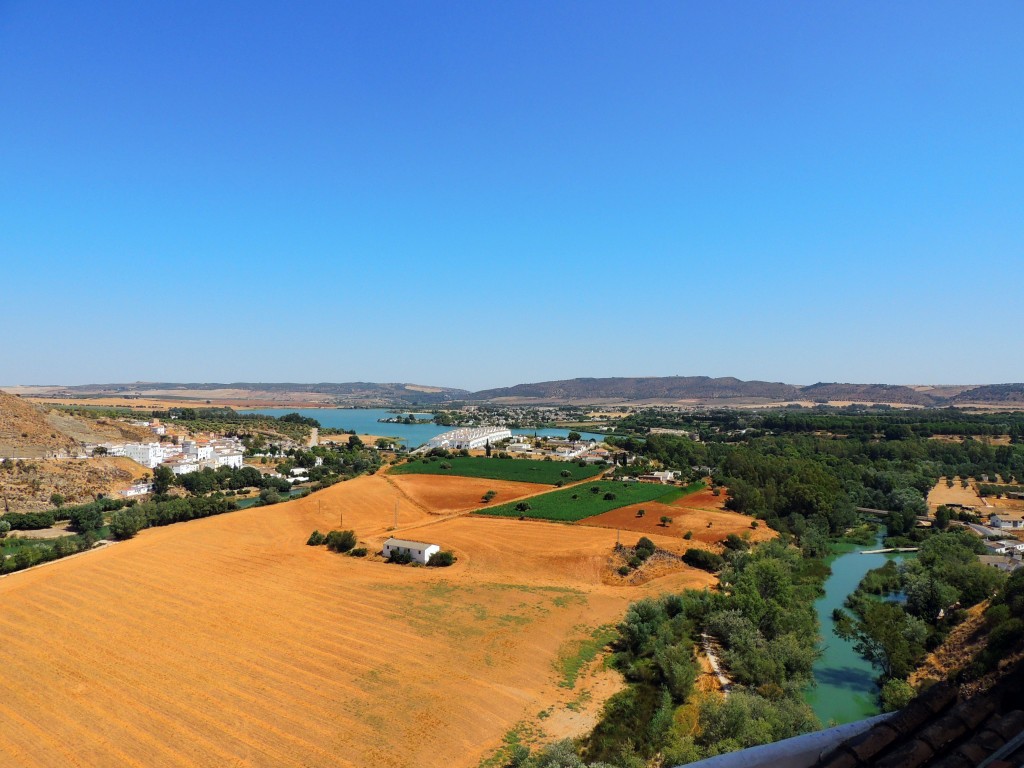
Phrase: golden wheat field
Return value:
(229, 642)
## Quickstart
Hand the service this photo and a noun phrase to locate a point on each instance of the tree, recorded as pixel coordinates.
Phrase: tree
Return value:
(5, 528)
(87, 518)
(340, 541)
(354, 442)
(665, 521)
(56, 499)
(896, 694)
(573, 437)
(163, 479)
(942, 517)
(887, 636)
(523, 506)
(125, 523)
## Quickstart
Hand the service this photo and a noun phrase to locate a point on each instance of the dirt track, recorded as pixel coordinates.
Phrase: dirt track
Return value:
(227, 641)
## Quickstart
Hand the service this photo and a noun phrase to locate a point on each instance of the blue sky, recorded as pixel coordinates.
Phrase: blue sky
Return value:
(482, 194)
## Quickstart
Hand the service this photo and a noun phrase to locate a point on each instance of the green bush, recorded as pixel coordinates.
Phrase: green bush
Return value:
(609, 496)
(441, 559)
(688, 535)
(358, 552)
(624, 570)
(125, 523)
(340, 541)
(315, 539)
(701, 558)
(400, 558)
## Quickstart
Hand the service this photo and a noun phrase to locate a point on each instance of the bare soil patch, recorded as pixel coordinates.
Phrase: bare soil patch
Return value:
(941, 494)
(444, 495)
(708, 526)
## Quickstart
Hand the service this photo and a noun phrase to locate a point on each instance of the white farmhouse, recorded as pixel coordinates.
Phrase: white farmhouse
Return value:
(1011, 520)
(420, 551)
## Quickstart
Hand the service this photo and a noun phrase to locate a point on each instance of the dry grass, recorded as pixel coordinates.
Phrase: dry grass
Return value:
(227, 641)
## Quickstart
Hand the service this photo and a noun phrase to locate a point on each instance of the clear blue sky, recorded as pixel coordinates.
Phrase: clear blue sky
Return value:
(481, 194)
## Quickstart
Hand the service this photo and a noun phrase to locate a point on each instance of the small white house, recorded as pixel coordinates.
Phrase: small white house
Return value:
(420, 551)
(1011, 520)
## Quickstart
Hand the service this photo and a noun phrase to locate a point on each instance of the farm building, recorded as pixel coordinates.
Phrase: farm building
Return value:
(469, 438)
(420, 551)
(1013, 520)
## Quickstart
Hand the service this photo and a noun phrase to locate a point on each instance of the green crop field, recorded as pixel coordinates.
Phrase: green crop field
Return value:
(561, 505)
(521, 470)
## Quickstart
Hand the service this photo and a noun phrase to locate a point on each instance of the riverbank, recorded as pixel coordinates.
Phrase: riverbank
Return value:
(845, 688)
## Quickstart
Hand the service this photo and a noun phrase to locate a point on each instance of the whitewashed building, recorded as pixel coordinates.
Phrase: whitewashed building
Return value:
(1007, 520)
(419, 551)
(469, 438)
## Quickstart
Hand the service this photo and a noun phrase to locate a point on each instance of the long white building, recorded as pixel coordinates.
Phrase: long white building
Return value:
(469, 438)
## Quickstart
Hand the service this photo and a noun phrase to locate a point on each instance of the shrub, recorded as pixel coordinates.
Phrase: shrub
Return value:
(688, 535)
(609, 496)
(635, 562)
(566, 473)
(358, 552)
(666, 521)
(735, 543)
(645, 545)
(340, 541)
(595, 489)
(400, 558)
(640, 513)
(896, 694)
(624, 570)
(5, 527)
(489, 495)
(523, 506)
(441, 559)
(445, 465)
(315, 539)
(701, 558)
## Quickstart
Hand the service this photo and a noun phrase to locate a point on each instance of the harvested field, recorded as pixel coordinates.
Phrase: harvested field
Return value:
(519, 470)
(940, 495)
(684, 519)
(228, 641)
(445, 495)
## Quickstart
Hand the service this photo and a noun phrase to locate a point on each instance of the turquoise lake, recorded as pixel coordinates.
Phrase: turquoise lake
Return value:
(365, 421)
(846, 689)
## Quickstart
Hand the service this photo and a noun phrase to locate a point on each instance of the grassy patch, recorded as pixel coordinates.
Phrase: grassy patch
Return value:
(576, 654)
(519, 470)
(560, 505)
(677, 493)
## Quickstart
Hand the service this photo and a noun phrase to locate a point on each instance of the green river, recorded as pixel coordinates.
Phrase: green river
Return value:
(845, 689)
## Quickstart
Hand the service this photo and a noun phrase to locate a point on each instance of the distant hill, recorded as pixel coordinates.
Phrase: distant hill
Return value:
(356, 393)
(727, 390)
(991, 393)
(663, 388)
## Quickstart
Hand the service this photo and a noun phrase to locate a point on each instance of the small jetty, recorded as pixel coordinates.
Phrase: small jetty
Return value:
(888, 550)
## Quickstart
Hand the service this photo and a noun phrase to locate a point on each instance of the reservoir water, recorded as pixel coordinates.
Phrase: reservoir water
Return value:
(846, 689)
(365, 421)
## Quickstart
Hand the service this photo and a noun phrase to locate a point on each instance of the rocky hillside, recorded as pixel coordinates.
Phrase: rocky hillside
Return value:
(28, 484)
(32, 431)
(25, 431)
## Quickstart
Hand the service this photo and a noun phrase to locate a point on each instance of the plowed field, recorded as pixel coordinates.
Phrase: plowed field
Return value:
(228, 642)
(444, 495)
(702, 513)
